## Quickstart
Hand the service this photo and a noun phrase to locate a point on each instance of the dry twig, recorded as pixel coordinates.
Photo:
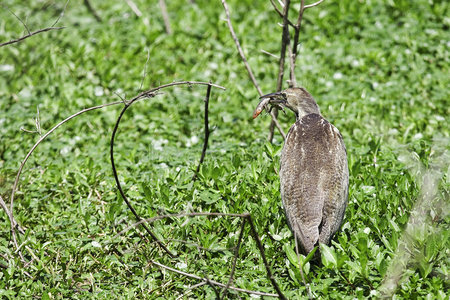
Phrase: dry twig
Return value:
(210, 281)
(284, 42)
(30, 35)
(247, 66)
(246, 219)
(205, 142)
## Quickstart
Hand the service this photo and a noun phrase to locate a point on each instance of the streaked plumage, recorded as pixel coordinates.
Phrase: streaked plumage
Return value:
(313, 172)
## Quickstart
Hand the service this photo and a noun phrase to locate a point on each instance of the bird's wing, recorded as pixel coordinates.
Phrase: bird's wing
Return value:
(337, 186)
(312, 160)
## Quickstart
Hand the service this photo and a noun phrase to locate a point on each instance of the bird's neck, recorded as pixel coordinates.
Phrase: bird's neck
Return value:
(310, 108)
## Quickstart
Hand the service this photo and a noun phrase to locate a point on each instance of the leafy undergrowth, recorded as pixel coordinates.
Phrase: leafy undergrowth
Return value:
(378, 69)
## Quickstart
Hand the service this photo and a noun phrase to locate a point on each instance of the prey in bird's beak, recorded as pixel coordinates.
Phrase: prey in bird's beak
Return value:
(274, 99)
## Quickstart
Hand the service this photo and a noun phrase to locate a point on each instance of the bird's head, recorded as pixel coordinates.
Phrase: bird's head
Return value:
(296, 99)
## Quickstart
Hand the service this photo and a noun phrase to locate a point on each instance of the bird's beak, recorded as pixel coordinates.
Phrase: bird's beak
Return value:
(273, 98)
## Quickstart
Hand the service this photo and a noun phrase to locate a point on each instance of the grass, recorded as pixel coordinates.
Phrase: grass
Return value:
(378, 69)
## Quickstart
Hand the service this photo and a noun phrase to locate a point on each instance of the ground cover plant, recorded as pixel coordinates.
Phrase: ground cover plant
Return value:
(378, 70)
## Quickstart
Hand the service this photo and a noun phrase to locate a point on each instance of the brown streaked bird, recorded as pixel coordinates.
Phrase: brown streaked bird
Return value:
(313, 171)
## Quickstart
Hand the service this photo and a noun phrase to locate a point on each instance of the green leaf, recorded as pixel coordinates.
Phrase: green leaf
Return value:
(329, 258)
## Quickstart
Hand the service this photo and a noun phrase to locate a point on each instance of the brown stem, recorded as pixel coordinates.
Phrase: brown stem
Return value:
(211, 281)
(261, 250)
(280, 13)
(30, 35)
(195, 214)
(236, 255)
(92, 10)
(239, 48)
(284, 43)
(205, 142)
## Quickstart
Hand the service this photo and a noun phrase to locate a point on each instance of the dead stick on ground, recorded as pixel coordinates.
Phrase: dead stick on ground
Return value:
(205, 142)
(247, 66)
(254, 234)
(211, 281)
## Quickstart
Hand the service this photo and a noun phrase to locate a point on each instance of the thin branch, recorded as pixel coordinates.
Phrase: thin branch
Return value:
(270, 54)
(165, 14)
(13, 223)
(261, 250)
(292, 80)
(236, 255)
(195, 214)
(30, 35)
(280, 13)
(239, 48)
(134, 8)
(145, 70)
(298, 26)
(92, 10)
(20, 20)
(313, 4)
(61, 14)
(190, 289)
(147, 94)
(247, 66)
(205, 142)
(284, 42)
(211, 281)
(116, 126)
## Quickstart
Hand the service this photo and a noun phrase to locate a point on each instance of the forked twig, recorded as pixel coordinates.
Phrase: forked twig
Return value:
(247, 66)
(30, 35)
(239, 48)
(284, 42)
(280, 13)
(246, 219)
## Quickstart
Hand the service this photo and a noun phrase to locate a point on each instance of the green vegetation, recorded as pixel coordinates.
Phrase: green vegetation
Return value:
(378, 69)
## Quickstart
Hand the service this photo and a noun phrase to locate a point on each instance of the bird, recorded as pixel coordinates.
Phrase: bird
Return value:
(314, 174)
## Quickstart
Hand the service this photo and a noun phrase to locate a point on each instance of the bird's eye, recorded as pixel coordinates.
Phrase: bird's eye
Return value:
(284, 96)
